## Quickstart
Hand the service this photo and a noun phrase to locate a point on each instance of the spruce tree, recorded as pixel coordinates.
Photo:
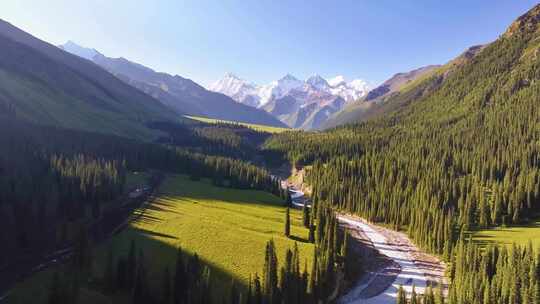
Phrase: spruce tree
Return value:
(140, 285)
(287, 222)
(270, 273)
(257, 290)
(311, 233)
(166, 287)
(234, 294)
(414, 296)
(305, 215)
(180, 279)
(401, 295)
(55, 291)
(108, 275)
(131, 266)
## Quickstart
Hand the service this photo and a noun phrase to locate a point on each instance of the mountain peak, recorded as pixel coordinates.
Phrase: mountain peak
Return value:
(336, 80)
(76, 49)
(317, 81)
(288, 76)
(230, 75)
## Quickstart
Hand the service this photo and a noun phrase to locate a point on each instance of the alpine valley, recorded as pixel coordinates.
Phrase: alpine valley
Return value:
(120, 184)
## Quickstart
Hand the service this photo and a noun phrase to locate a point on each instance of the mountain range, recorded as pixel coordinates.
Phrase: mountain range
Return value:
(304, 104)
(181, 94)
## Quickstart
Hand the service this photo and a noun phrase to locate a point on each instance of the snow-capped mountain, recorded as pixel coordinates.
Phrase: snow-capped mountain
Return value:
(247, 93)
(294, 101)
(238, 89)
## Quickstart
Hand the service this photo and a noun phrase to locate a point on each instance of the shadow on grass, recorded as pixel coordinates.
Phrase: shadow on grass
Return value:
(298, 239)
(159, 255)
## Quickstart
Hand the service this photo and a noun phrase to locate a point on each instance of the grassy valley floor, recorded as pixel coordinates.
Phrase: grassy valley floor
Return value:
(262, 128)
(227, 228)
(519, 234)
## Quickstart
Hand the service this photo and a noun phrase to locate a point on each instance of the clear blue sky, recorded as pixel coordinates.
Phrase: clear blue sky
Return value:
(263, 40)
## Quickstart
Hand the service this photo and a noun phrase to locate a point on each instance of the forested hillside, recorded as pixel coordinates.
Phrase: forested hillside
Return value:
(52, 178)
(460, 152)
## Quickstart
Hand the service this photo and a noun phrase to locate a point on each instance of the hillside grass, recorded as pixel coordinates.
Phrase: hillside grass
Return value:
(520, 235)
(227, 228)
(37, 103)
(262, 128)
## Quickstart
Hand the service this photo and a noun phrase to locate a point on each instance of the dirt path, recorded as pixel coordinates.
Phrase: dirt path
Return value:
(414, 268)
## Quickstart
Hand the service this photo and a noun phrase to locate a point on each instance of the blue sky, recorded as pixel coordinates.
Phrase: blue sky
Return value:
(263, 40)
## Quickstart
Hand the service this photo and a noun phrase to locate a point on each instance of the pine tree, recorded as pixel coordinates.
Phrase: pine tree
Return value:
(55, 291)
(131, 266)
(166, 287)
(429, 297)
(414, 296)
(180, 277)
(401, 296)
(234, 293)
(287, 223)
(108, 275)
(139, 293)
(311, 233)
(305, 215)
(270, 273)
(121, 274)
(257, 290)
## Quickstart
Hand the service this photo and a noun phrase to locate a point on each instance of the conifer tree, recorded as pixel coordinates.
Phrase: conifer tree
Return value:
(180, 279)
(305, 215)
(311, 233)
(166, 287)
(140, 293)
(401, 296)
(131, 266)
(108, 275)
(270, 274)
(257, 290)
(287, 222)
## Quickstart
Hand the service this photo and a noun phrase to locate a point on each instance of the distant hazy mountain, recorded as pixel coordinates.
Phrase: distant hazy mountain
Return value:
(78, 50)
(181, 94)
(45, 85)
(371, 103)
(300, 104)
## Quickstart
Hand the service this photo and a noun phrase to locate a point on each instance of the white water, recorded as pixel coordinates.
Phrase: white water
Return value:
(410, 274)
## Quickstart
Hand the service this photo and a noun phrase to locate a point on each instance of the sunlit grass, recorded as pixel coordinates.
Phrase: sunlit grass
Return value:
(256, 127)
(520, 235)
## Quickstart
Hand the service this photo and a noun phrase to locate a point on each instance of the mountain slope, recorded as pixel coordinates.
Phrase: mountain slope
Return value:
(181, 94)
(45, 85)
(371, 103)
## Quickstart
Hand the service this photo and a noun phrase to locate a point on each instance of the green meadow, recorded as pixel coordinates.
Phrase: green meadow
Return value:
(520, 235)
(262, 128)
(227, 228)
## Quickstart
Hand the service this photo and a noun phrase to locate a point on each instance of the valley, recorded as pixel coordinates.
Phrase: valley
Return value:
(121, 183)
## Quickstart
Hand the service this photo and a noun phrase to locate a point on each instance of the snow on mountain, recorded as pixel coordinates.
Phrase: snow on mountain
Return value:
(255, 95)
(238, 89)
(350, 91)
(318, 82)
(73, 48)
(335, 81)
(299, 104)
